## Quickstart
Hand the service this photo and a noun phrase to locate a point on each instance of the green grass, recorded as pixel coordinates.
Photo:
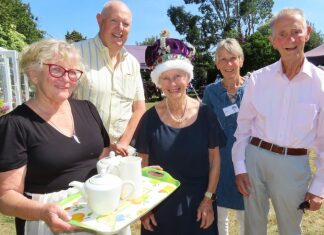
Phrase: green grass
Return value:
(312, 224)
(7, 225)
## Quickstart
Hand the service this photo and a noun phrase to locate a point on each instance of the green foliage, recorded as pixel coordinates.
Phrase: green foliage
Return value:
(147, 41)
(74, 36)
(218, 19)
(315, 39)
(18, 26)
(254, 13)
(4, 108)
(258, 51)
(11, 39)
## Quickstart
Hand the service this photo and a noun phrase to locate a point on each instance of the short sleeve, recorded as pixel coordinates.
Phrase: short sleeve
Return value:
(139, 95)
(96, 116)
(140, 139)
(13, 150)
(216, 135)
(206, 96)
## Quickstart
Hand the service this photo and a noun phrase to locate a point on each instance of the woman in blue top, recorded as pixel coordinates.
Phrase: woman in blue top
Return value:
(224, 97)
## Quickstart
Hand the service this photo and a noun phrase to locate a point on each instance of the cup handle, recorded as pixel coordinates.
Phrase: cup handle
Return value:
(128, 182)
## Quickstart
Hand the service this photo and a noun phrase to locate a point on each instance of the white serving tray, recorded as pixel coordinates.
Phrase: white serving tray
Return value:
(157, 186)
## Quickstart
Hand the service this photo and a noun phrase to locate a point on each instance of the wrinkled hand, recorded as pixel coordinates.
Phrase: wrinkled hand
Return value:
(56, 218)
(243, 184)
(148, 221)
(119, 149)
(205, 213)
(315, 202)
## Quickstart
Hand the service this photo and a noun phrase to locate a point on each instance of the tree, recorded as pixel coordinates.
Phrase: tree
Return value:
(15, 31)
(16, 20)
(147, 41)
(254, 13)
(258, 51)
(315, 39)
(219, 19)
(74, 36)
(11, 39)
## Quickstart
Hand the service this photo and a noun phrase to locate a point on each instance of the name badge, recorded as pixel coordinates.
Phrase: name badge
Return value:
(229, 110)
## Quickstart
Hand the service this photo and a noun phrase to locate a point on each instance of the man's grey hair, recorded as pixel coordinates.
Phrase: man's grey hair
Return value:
(287, 12)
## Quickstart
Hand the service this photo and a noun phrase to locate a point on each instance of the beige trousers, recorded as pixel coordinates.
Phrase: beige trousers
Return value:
(284, 180)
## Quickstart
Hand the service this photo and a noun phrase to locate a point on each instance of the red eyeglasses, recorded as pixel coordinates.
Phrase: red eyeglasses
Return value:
(58, 71)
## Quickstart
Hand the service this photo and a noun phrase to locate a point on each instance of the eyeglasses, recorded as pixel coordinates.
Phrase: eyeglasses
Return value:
(58, 71)
(177, 78)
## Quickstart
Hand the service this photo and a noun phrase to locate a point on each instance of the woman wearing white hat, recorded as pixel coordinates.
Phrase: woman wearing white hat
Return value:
(182, 136)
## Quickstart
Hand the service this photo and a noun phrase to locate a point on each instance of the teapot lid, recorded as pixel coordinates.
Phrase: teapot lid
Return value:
(105, 160)
(105, 179)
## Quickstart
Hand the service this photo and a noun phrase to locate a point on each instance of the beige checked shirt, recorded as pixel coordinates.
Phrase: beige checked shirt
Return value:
(112, 91)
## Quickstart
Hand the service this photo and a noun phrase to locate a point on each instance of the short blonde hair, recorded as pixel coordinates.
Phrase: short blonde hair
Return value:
(287, 12)
(232, 46)
(43, 51)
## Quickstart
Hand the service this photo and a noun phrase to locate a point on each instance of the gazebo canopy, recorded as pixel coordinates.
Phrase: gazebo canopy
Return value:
(139, 53)
(316, 55)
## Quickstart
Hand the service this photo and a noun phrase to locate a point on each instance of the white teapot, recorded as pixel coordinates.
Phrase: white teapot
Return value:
(103, 191)
(127, 168)
(109, 164)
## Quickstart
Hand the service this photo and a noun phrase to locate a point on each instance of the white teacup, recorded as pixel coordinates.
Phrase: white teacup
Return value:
(127, 168)
(130, 169)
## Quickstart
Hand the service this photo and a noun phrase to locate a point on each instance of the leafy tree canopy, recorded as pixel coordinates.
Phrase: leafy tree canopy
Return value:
(258, 51)
(147, 41)
(18, 25)
(219, 19)
(315, 39)
(11, 39)
(74, 36)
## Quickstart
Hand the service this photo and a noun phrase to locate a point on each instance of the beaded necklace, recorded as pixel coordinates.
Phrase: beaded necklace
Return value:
(176, 119)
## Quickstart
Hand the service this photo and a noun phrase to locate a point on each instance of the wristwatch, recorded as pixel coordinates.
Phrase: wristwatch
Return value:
(211, 196)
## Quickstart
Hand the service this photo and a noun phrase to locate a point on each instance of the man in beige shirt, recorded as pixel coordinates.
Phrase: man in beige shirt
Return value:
(112, 79)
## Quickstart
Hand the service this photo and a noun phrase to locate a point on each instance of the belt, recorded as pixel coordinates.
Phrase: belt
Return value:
(277, 149)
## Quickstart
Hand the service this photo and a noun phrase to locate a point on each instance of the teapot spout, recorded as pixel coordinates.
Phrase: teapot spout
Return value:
(79, 186)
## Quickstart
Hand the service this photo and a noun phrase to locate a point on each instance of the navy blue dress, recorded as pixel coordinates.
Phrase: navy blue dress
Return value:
(183, 153)
(215, 96)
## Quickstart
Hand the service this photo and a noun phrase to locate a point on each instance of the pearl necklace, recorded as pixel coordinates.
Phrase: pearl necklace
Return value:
(178, 120)
(74, 136)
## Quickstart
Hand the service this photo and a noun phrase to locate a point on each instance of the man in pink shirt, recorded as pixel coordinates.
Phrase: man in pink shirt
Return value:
(280, 119)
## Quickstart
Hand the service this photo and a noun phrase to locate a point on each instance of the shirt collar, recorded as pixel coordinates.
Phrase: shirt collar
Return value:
(306, 68)
(103, 49)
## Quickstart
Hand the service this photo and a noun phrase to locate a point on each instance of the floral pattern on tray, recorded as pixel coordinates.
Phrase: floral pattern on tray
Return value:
(157, 186)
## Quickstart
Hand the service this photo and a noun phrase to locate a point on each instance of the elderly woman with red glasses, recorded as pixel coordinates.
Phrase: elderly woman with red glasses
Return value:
(48, 141)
